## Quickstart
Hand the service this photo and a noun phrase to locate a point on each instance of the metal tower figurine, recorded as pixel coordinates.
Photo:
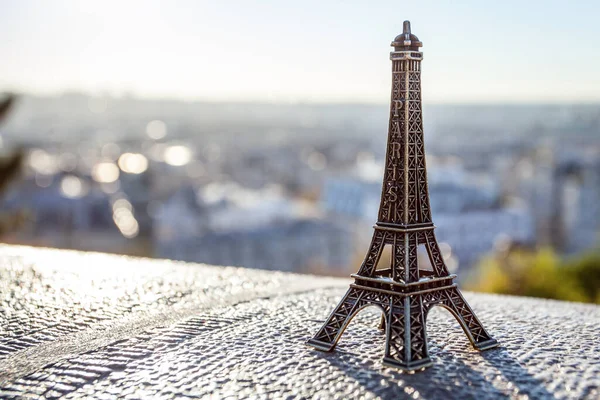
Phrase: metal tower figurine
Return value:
(404, 292)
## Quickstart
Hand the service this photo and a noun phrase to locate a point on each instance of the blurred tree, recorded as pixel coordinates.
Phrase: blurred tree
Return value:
(5, 105)
(540, 273)
(10, 167)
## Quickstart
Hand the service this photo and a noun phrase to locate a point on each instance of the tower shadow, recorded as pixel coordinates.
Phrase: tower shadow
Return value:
(437, 382)
(458, 371)
(448, 378)
(515, 373)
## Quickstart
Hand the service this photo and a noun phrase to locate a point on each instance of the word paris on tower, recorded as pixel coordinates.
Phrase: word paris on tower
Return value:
(404, 291)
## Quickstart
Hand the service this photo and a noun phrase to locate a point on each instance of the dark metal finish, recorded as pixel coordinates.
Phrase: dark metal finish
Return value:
(404, 292)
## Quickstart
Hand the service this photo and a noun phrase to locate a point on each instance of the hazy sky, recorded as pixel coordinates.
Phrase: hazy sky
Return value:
(474, 51)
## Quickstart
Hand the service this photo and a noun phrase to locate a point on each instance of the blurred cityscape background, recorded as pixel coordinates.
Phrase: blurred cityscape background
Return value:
(286, 173)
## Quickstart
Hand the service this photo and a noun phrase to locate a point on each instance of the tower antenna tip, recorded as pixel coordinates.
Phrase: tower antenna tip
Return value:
(406, 28)
(406, 40)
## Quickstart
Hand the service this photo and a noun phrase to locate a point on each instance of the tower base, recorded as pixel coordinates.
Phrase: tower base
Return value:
(410, 366)
(405, 307)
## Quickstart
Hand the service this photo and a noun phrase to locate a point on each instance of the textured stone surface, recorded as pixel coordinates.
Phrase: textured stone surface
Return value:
(92, 325)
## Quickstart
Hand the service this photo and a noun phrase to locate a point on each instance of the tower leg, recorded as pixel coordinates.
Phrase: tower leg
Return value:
(329, 334)
(406, 344)
(382, 323)
(372, 258)
(478, 336)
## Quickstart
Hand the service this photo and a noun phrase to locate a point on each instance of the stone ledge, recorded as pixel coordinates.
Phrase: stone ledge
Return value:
(86, 324)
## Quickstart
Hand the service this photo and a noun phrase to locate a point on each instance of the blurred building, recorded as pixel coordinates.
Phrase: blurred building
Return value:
(584, 229)
(145, 177)
(563, 186)
(576, 207)
(225, 224)
(466, 210)
(81, 202)
(303, 245)
(472, 234)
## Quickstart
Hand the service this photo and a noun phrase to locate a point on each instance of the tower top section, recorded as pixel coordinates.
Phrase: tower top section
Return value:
(406, 41)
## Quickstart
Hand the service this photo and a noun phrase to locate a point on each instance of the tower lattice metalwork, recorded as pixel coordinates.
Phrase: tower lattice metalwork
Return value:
(404, 291)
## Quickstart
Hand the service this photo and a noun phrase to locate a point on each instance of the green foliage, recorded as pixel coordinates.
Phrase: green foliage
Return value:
(540, 273)
(586, 271)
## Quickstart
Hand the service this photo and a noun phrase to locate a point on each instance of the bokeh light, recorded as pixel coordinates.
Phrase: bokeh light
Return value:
(177, 155)
(124, 218)
(133, 163)
(156, 129)
(43, 162)
(105, 172)
(73, 187)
